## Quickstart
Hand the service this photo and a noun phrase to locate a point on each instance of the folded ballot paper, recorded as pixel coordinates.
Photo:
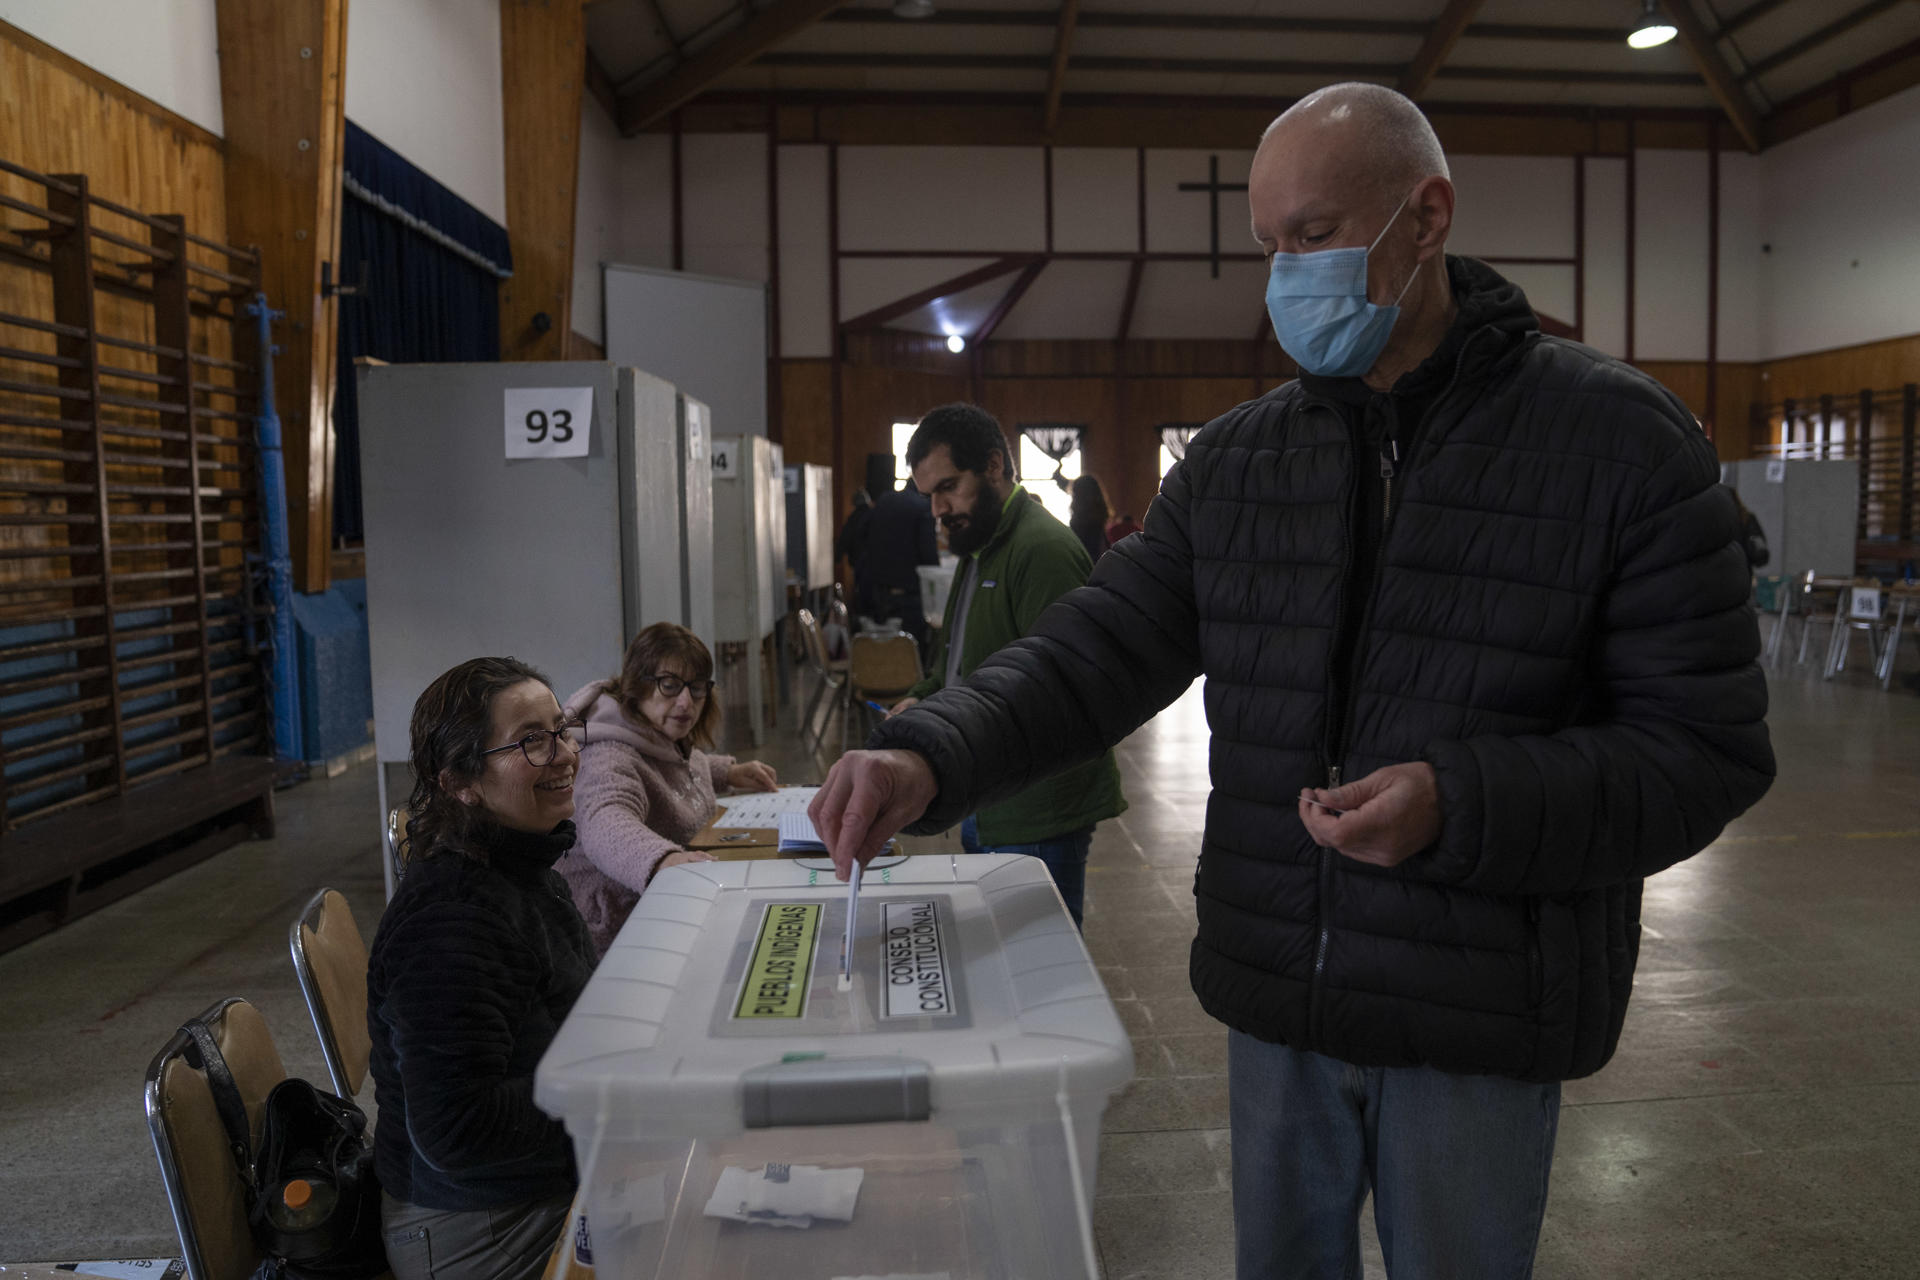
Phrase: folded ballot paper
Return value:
(798, 836)
(785, 1195)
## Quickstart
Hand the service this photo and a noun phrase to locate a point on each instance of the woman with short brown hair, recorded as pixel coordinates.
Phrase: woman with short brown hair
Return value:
(646, 783)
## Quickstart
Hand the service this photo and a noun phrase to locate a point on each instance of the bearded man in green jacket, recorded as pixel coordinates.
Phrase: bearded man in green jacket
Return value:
(1015, 560)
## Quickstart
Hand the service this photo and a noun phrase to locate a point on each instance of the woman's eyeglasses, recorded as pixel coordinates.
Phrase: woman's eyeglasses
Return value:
(542, 745)
(670, 686)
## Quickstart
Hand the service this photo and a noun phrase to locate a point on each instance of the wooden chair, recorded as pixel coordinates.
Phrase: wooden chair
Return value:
(330, 959)
(203, 1186)
(882, 666)
(830, 676)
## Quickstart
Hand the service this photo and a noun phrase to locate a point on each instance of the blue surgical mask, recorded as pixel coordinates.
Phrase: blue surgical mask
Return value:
(1320, 312)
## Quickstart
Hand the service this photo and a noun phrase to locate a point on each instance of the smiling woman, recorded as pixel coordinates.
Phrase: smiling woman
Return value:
(478, 959)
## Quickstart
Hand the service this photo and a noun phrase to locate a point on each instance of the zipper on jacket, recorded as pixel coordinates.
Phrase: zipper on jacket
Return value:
(1388, 456)
(1336, 740)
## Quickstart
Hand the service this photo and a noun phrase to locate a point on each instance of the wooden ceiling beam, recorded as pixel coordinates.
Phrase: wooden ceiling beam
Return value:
(1057, 74)
(1814, 39)
(1759, 9)
(600, 85)
(737, 47)
(1133, 296)
(1446, 32)
(933, 293)
(1007, 303)
(1385, 72)
(1233, 23)
(1699, 44)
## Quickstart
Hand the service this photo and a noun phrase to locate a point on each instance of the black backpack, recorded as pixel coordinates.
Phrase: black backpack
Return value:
(305, 1134)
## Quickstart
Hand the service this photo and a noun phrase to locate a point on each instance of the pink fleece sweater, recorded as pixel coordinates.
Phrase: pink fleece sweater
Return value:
(637, 797)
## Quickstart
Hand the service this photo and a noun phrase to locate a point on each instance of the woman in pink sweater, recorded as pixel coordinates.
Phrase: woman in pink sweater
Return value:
(645, 783)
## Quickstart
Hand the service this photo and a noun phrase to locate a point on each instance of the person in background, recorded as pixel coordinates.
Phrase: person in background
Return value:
(477, 960)
(1121, 526)
(1480, 656)
(1753, 539)
(900, 539)
(1016, 559)
(851, 546)
(1088, 514)
(647, 783)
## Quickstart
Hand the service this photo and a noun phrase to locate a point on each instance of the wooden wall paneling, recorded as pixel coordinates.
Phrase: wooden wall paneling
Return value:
(805, 388)
(1880, 366)
(282, 76)
(542, 79)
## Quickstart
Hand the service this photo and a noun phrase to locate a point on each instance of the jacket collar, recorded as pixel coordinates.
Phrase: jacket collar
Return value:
(1012, 512)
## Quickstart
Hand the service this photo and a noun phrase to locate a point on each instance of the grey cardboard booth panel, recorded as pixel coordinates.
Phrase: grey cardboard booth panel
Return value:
(1809, 511)
(556, 561)
(810, 528)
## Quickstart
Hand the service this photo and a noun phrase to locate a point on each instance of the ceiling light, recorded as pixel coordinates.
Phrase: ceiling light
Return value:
(956, 343)
(1649, 31)
(913, 9)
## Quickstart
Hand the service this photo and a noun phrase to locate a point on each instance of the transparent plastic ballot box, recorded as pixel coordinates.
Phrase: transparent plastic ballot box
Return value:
(736, 1111)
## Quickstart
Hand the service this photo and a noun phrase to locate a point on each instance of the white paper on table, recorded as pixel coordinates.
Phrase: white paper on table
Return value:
(763, 808)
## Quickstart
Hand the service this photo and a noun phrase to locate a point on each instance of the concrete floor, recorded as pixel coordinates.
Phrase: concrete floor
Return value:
(1762, 1117)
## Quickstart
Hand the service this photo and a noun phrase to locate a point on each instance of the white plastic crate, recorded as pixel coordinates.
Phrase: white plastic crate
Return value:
(964, 1073)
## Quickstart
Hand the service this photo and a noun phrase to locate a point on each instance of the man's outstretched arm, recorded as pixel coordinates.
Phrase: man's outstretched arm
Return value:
(1099, 662)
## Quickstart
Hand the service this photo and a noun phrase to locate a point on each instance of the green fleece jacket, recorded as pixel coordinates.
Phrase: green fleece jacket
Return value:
(1031, 561)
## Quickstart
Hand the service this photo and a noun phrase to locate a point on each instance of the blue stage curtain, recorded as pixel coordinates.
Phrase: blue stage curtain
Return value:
(422, 299)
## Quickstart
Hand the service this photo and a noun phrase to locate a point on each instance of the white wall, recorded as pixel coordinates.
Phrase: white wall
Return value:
(423, 76)
(166, 50)
(597, 215)
(1670, 255)
(1841, 210)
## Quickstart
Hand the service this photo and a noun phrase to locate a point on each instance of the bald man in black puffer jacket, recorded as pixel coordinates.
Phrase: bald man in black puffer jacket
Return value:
(1479, 657)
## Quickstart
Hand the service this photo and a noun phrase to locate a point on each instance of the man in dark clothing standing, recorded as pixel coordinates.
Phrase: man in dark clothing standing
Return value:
(851, 546)
(900, 538)
(1473, 616)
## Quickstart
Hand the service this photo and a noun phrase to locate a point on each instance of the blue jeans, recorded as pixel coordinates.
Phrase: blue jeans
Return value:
(1065, 856)
(1458, 1165)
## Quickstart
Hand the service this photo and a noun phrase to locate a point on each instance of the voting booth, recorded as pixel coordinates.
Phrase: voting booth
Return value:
(810, 527)
(737, 1111)
(1808, 509)
(749, 554)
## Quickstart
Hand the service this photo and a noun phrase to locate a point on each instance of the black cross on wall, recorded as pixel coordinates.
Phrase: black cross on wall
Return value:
(1213, 187)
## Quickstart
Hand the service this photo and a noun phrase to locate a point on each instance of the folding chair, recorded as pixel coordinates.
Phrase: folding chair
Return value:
(1859, 606)
(203, 1186)
(830, 673)
(882, 666)
(330, 959)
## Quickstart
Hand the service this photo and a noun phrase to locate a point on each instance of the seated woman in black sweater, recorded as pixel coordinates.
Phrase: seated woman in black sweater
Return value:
(477, 960)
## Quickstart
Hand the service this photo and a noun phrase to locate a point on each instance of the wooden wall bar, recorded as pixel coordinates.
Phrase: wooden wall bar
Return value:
(128, 498)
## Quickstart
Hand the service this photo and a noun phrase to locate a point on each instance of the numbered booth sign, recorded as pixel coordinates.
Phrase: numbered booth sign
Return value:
(1866, 603)
(548, 422)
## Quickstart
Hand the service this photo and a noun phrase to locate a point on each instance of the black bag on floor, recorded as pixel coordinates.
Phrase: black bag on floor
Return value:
(328, 1228)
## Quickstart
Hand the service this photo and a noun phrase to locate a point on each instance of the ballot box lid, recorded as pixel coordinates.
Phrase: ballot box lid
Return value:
(720, 1006)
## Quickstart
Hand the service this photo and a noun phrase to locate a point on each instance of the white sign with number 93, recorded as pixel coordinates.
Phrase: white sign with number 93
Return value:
(548, 422)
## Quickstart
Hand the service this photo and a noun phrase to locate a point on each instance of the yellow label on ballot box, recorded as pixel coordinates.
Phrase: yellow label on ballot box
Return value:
(781, 968)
